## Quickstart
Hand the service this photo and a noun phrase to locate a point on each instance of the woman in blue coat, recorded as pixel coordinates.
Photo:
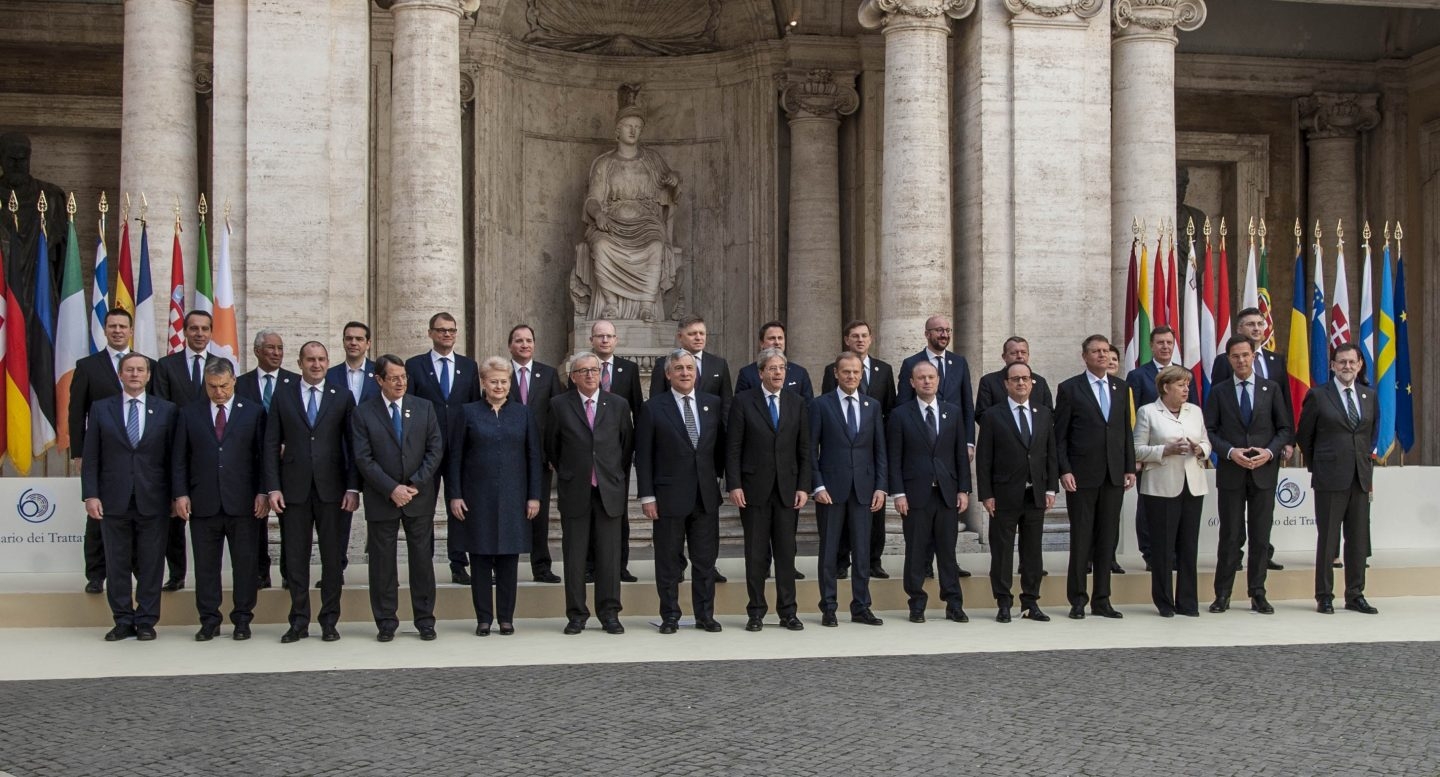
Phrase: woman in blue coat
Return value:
(493, 488)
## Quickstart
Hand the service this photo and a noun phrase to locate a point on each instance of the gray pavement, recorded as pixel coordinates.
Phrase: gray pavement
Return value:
(1344, 709)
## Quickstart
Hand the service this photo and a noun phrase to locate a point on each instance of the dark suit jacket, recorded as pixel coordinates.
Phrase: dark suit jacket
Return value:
(668, 467)
(624, 383)
(171, 378)
(1141, 381)
(1274, 370)
(916, 464)
(368, 387)
(94, 379)
(760, 458)
(575, 451)
(992, 392)
(495, 466)
(1003, 463)
(248, 386)
(220, 476)
(847, 466)
(1094, 450)
(385, 462)
(545, 385)
(1337, 453)
(714, 378)
(797, 379)
(297, 457)
(113, 470)
(425, 383)
(881, 386)
(955, 388)
(1270, 427)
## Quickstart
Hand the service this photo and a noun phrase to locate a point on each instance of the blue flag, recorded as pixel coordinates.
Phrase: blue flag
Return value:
(1385, 363)
(1404, 399)
(1319, 332)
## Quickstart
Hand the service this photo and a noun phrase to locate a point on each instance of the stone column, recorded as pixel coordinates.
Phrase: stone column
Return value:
(815, 101)
(157, 135)
(426, 253)
(916, 259)
(1142, 124)
(1333, 123)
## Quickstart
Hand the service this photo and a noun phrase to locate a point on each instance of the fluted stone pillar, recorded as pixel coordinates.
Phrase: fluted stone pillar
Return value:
(815, 101)
(1142, 125)
(1333, 123)
(916, 260)
(157, 133)
(426, 253)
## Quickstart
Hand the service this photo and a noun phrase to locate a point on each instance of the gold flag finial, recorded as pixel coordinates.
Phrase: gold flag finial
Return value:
(177, 214)
(1387, 230)
(43, 205)
(144, 206)
(15, 209)
(1340, 232)
(70, 205)
(1317, 231)
(1297, 229)
(104, 209)
(1262, 229)
(204, 208)
(1207, 229)
(1190, 227)
(227, 214)
(1135, 227)
(1223, 230)
(1252, 228)
(125, 212)
(1399, 235)
(1365, 233)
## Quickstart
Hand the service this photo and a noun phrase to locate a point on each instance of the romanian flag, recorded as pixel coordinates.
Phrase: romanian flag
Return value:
(224, 339)
(145, 335)
(1319, 334)
(72, 338)
(177, 295)
(1132, 310)
(1146, 305)
(1384, 372)
(17, 382)
(4, 339)
(1404, 398)
(1298, 350)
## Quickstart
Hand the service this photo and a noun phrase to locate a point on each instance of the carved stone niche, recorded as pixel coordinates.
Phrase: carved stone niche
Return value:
(633, 28)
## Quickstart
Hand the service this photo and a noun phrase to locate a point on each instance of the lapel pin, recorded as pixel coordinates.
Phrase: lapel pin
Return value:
(944, 415)
(332, 391)
(148, 410)
(619, 369)
(706, 408)
(865, 404)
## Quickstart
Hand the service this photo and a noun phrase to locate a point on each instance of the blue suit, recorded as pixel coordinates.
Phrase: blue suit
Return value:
(337, 376)
(797, 379)
(954, 387)
(850, 468)
(1142, 385)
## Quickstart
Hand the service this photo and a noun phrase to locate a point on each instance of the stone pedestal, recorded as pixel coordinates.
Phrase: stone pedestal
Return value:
(1333, 123)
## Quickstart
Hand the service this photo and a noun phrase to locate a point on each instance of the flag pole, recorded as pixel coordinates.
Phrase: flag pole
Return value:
(1399, 252)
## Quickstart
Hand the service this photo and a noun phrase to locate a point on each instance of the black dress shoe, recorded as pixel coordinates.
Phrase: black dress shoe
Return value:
(95, 587)
(546, 577)
(506, 629)
(842, 573)
(1274, 566)
(1035, 614)
(427, 633)
(956, 614)
(385, 635)
(173, 584)
(1167, 613)
(917, 616)
(294, 635)
(1106, 611)
(866, 617)
(206, 633)
(754, 624)
(1003, 616)
(669, 627)
(264, 583)
(1077, 612)
(799, 575)
(1221, 604)
(145, 633)
(329, 634)
(879, 572)
(615, 627)
(1358, 604)
(1325, 608)
(119, 632)
(792, 623)
(482, 630)
(963, 573)
(241, 633)
(720, 577)
(319, 584)
(1116, 569)
(1260, 605)
(1147, 566)
(626, 577)
(828, 619)
(1337, 564)
(459, 577)
(708, 624)
(574, 627)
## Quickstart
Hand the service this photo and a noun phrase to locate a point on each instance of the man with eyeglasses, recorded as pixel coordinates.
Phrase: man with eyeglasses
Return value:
(534, 384)
(259, 386)
(620, 377)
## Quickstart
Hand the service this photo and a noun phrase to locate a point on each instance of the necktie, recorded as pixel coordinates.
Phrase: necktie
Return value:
(525, 392)
(132, 423)
(1102, 392)
(690, 427)
(116, 365)
(864, 378)
(1025, 433)
(445, 378)
(605, 375)
(774, 412)
(940, 367)
(1260, 364)
(269, 390)
(931, 431)
(219, 422)
(590, 418)
(312, 406)
(395, 420)
(1247, 410)
(852, 422)
(1350, 408)
(195, 373)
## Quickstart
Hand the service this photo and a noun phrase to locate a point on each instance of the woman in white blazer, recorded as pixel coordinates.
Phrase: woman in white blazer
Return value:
(1171, 442)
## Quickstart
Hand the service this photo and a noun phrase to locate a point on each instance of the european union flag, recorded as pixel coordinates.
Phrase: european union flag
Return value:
(1404, 399)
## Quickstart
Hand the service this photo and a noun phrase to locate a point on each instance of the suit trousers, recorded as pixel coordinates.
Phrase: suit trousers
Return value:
(94, 552)
(134, 545)
(1029, 523)
(1338, 512)
(381, 537)
(209, 536)
(576, 532)
(175, 548)
(1094, 530)
(832, 519)
(1174, 534)
(497, 602)
(299, 522)
(1142, 526)
(1247, 511)
(877, 541)
(932, 532)
(770, 530)
(540, 561)
(262, 552)
(698, 532)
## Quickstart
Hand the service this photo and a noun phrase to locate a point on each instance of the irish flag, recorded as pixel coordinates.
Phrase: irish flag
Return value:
(72, 340)
(225, 339)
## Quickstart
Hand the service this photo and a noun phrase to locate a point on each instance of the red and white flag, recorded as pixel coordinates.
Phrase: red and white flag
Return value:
(177, 295)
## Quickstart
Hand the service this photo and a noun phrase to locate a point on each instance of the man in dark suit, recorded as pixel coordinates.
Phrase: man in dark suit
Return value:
(797, 379)
(311, 478)
(679, 456)
(179, 379)
(1141, 381)
(878, 382)
(589, 440)
(993, 391)
(930, 480)
(357, 373)
(848, 475)
(1249, 426)
(398, 448)
(1096, 456)
(534, 384)
(621, 377)
(1337, 435)
(767, 471)
(1016, 470)
(690, 334)
(96, 377)
(125, 482)
(259, 386)
(447, 381)
(218, 490)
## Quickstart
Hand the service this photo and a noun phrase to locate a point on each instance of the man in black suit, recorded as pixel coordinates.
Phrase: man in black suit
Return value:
(589, 440)
(259, 386)
(848, 473)
(1337, 435)
(993, 391)
(534, 384)
(767, 471)
(357, 375)
(797, 379)
(217, 487)
(398, 448)
(311, 479)
(179, 379)
(1096, 456)
(125, 482)
(621, 377)
(1017, 472)
(877, 381)
(1249, 427)
(930, 481)
(679, 457)
(96, 377)
(690, 334)
(447, 381)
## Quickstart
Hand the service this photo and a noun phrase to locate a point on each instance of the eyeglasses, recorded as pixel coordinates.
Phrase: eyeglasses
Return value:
(439, 331)
(585, 371)
(944, 330)
(1019, 379)
(395, 379)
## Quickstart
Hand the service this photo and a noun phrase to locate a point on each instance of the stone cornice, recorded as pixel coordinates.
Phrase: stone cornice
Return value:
(817, 94)
(1156, 17)
(1339, 115)
(1055, 9)
(877, 14)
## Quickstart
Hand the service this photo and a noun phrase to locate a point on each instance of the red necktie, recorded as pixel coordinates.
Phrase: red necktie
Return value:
(219, 422)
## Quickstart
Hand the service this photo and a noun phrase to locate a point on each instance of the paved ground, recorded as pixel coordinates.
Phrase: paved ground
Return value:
(1350, 709)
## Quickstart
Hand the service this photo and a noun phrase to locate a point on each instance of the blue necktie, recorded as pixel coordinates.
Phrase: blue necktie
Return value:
(1247, 410)
(774, 413)
(1104, 394)
(851, 420)
(269, 390)
(132, 423)
(195, 380)
(395, 420)
(312, 407)
(445, 379)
